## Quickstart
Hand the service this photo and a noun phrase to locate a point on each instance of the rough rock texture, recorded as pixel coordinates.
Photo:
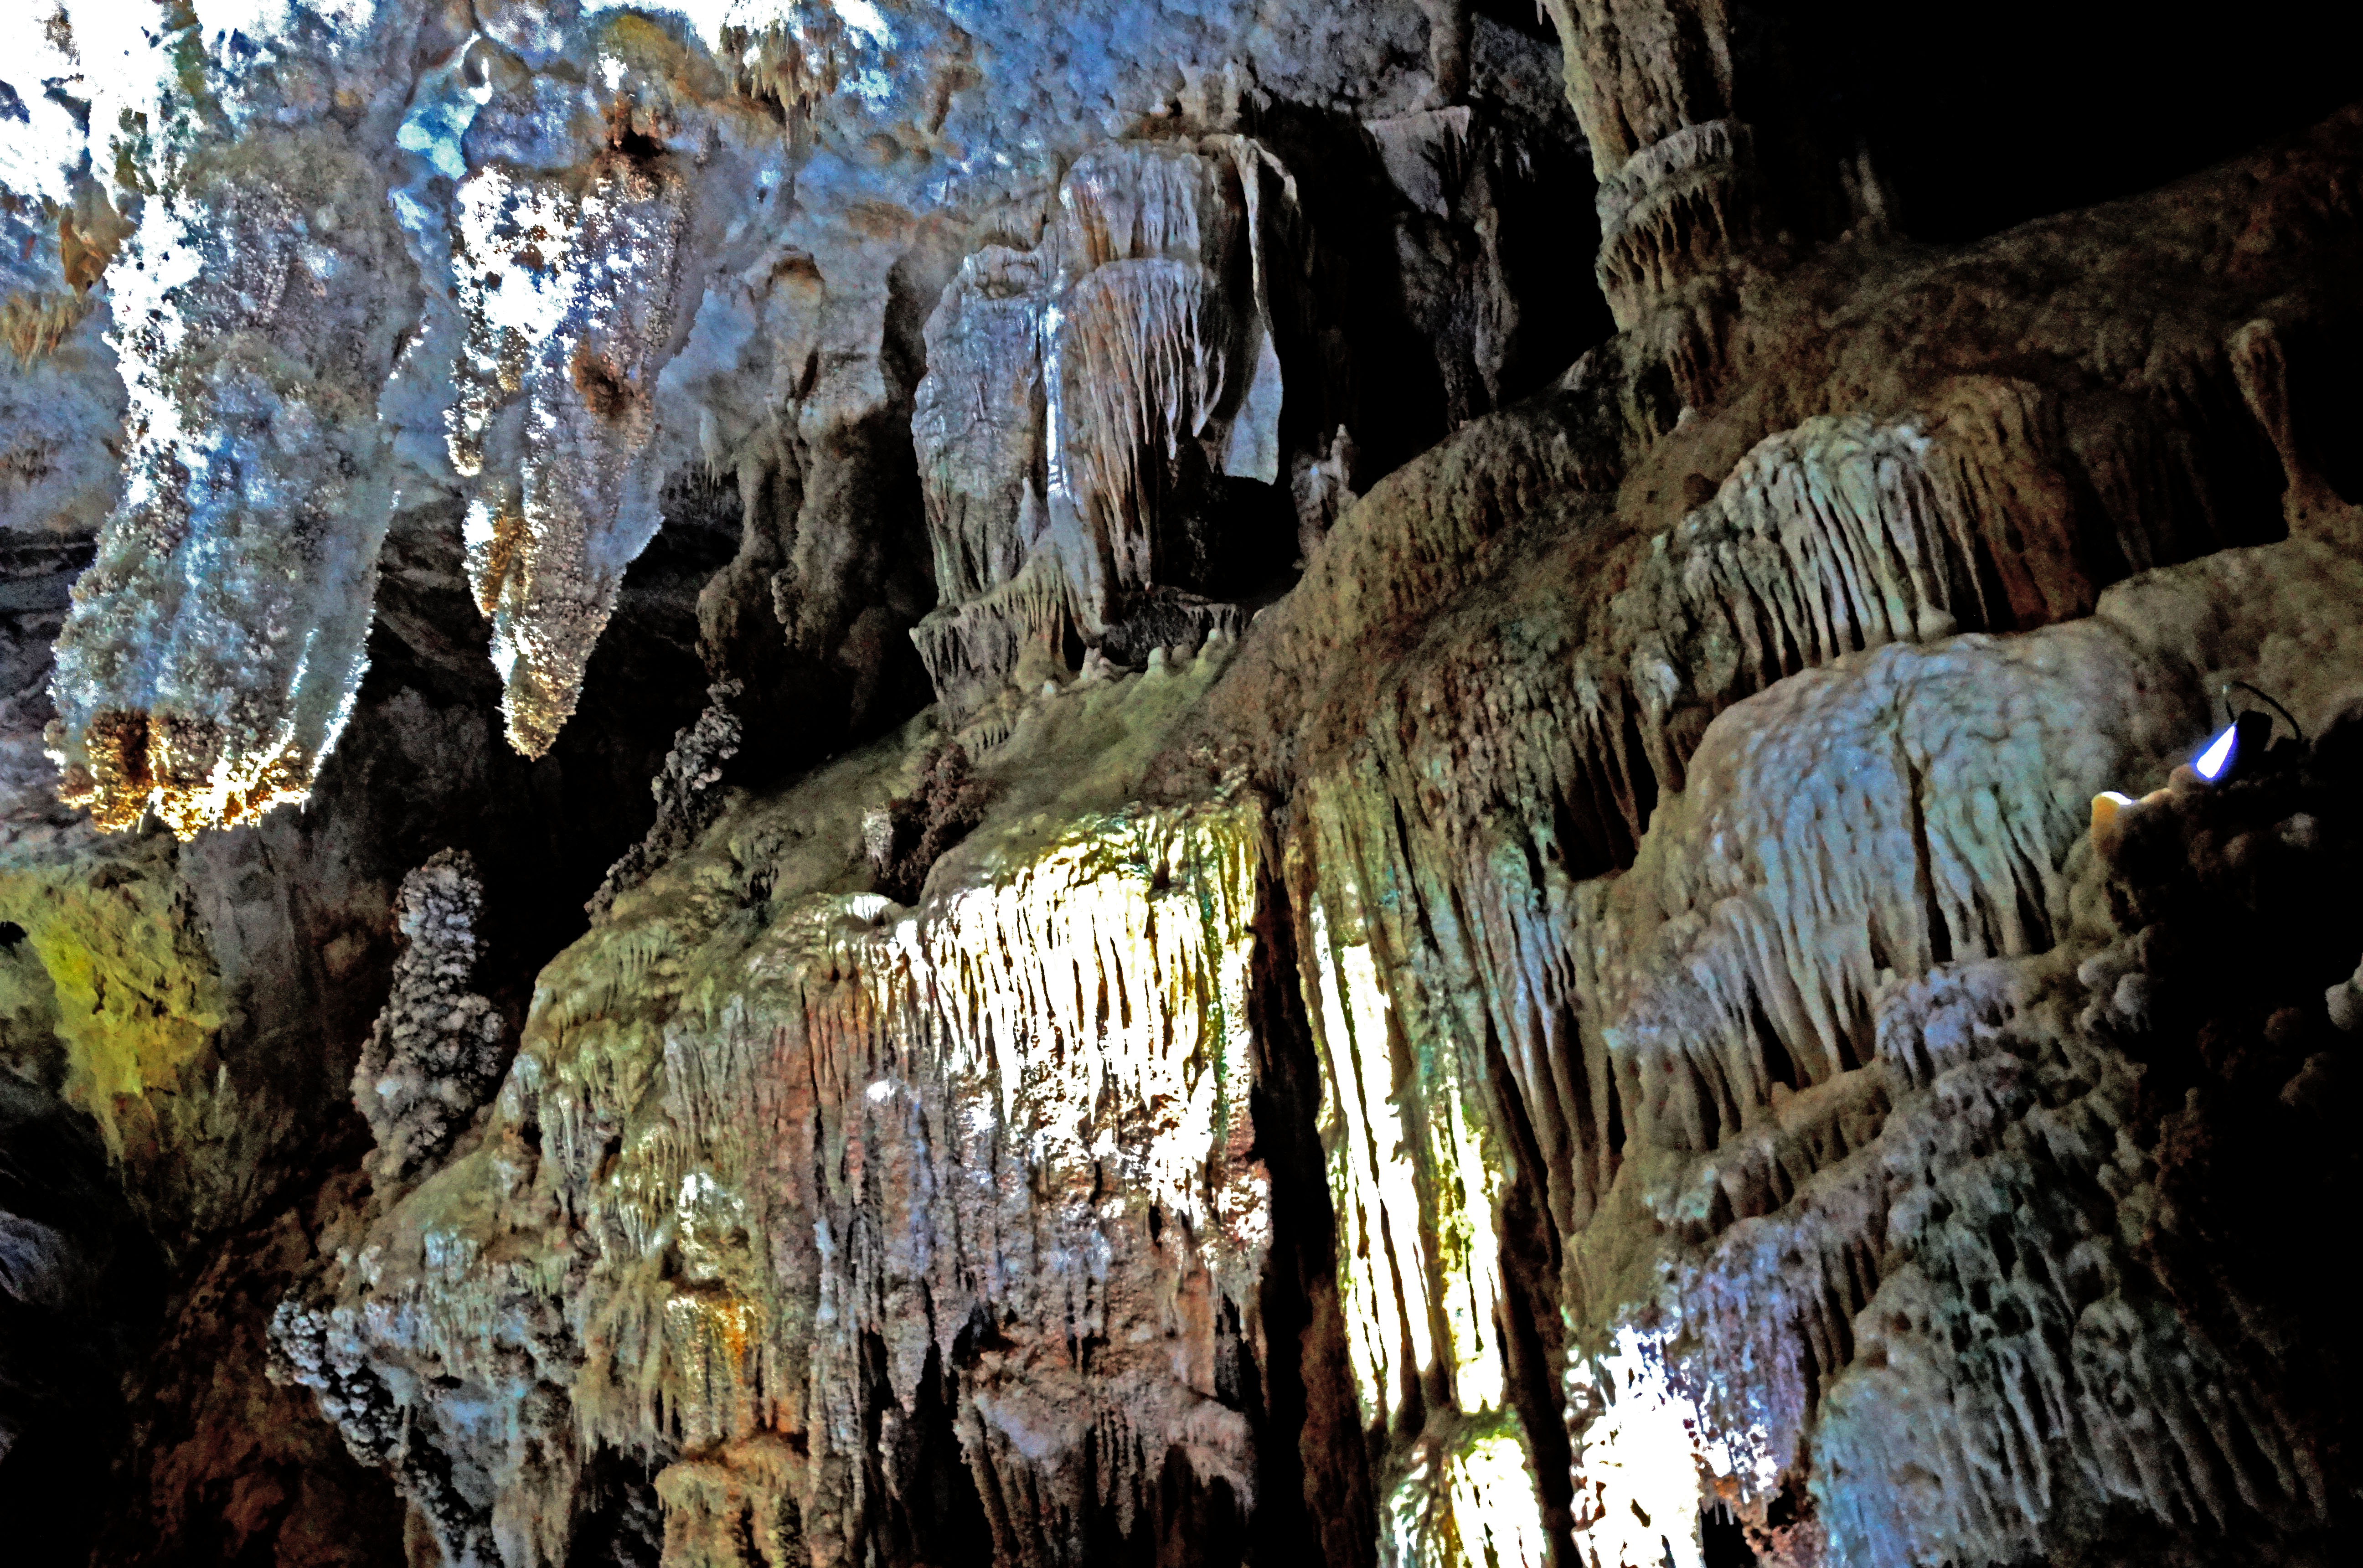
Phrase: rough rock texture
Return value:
(434, 1053)
(570, 304)
(211, 658)
(1025, 1224)
(1505, 939)
(686, 793)
(1085, 399)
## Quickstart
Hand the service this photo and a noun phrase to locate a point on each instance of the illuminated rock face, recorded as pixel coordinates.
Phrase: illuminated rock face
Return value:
(1083, 401)
(1596, 1025)
(558, 217)
(1001, 1145)
(211, 658)
(1651, 896)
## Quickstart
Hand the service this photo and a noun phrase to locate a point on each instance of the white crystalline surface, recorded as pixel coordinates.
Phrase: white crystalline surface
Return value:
(1075, 392)
(569, 302)
(215, 645)
(214, 652)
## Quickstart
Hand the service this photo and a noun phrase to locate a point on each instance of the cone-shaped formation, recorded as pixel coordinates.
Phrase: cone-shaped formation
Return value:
(569, 302)
(1691, 986)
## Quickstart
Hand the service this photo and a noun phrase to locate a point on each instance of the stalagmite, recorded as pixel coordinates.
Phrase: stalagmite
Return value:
(435, 1054)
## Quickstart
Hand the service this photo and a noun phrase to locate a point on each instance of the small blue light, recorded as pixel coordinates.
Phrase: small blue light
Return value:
(2209, 764)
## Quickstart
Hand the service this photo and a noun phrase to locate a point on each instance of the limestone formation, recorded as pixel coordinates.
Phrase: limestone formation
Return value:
(435, 1054)
(1073, 1220)
(569, 303)
(1084, 401)
(210, 662)
(687, 794)
(1653, 82)
(1050, 808)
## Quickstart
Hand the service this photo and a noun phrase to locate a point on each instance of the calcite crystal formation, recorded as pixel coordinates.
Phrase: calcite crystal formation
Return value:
(513, 254)
(571, 303)
(1085, 399)
(1689, 1026)
(435, 1054)
(1288, 907)
(214, 647)
(1681, 190)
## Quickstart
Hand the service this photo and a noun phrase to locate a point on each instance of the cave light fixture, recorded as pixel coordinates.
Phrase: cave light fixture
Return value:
(2210, 763)
(2234, 752)
(2245, 740)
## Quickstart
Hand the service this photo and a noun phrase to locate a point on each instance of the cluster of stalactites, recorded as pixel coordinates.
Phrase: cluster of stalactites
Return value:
(1082, 395)
(569, 302)
(1066, 1205)
(211, 655)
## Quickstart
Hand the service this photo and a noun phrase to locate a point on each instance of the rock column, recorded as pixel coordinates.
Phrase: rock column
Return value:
(1678, 191)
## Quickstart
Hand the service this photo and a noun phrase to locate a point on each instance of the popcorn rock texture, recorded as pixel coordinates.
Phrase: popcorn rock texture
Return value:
(687, 798)
(436, 1053)
(1051, 807)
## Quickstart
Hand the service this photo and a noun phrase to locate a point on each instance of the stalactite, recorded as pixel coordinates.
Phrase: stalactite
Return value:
(1675, 210)
(569, 303)
(1082, 398)
(1037, 1175)
(210, 661)
(1600, 1023)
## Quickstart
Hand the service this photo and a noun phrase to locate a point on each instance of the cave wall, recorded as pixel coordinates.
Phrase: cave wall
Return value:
(1317, 887)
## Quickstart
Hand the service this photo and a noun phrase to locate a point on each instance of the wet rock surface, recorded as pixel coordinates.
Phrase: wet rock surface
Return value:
(911, 784)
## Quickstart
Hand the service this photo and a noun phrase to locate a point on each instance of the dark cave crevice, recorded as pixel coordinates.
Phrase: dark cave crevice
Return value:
(1723, 1540)
(81, 1285)
(1528, 1326)
(1314, 1499)
(923, 1490)
(2029, 110)
(618, 1520)
(2326, 403)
